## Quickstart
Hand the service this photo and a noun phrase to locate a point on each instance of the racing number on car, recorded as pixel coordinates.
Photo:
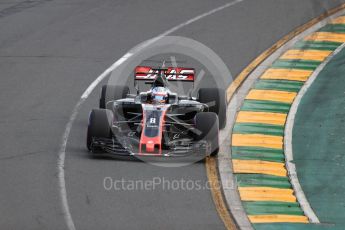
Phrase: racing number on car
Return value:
(152, 122)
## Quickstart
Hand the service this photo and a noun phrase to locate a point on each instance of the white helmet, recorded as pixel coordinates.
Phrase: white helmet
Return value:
(159, 95)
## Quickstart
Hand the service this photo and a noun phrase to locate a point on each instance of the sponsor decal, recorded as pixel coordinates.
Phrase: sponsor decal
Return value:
(172, 73)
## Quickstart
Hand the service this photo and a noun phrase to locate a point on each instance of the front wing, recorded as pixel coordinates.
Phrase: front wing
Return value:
(111, 147)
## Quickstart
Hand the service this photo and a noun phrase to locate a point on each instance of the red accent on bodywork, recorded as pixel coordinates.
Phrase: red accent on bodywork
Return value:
(150, 146)
(172, 73)
(147, 144)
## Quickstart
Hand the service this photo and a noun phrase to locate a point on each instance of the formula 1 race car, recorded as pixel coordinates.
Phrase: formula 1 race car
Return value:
(157, 122)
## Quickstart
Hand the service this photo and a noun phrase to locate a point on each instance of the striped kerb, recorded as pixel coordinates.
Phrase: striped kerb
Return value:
(258, 134)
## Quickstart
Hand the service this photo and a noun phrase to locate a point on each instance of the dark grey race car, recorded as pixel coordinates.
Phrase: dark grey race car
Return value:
(158, 122)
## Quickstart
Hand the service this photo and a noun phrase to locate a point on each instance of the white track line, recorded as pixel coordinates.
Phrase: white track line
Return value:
(62, 152)
(288, 140)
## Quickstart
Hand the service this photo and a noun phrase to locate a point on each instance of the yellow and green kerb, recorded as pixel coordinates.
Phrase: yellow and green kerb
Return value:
(258, 134)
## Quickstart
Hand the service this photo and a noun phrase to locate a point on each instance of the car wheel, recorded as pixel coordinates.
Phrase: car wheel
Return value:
(207, 128)
(216, 100)
(99, 125)
(111, 93)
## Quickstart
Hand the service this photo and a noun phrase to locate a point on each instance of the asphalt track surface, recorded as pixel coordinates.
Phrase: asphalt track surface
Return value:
(51, 50)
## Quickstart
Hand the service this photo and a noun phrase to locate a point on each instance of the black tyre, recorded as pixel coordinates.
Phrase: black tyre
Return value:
(207, 126)
(99, 125)
(111, 93)
(216, 100)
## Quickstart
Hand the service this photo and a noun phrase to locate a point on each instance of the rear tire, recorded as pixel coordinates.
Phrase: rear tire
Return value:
(112, 93)
(208, 125)
(100, 121)
(217, 98)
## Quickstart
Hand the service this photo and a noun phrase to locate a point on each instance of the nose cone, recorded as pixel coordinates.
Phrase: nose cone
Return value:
(150, 146)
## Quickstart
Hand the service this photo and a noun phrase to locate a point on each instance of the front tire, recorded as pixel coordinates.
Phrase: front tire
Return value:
(207, 126)
(216, 99)
(100, 121)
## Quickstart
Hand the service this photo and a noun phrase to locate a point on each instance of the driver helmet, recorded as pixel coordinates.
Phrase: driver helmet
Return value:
(159, 95)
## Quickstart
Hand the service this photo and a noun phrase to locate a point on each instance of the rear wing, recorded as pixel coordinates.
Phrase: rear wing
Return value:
(172, 73)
